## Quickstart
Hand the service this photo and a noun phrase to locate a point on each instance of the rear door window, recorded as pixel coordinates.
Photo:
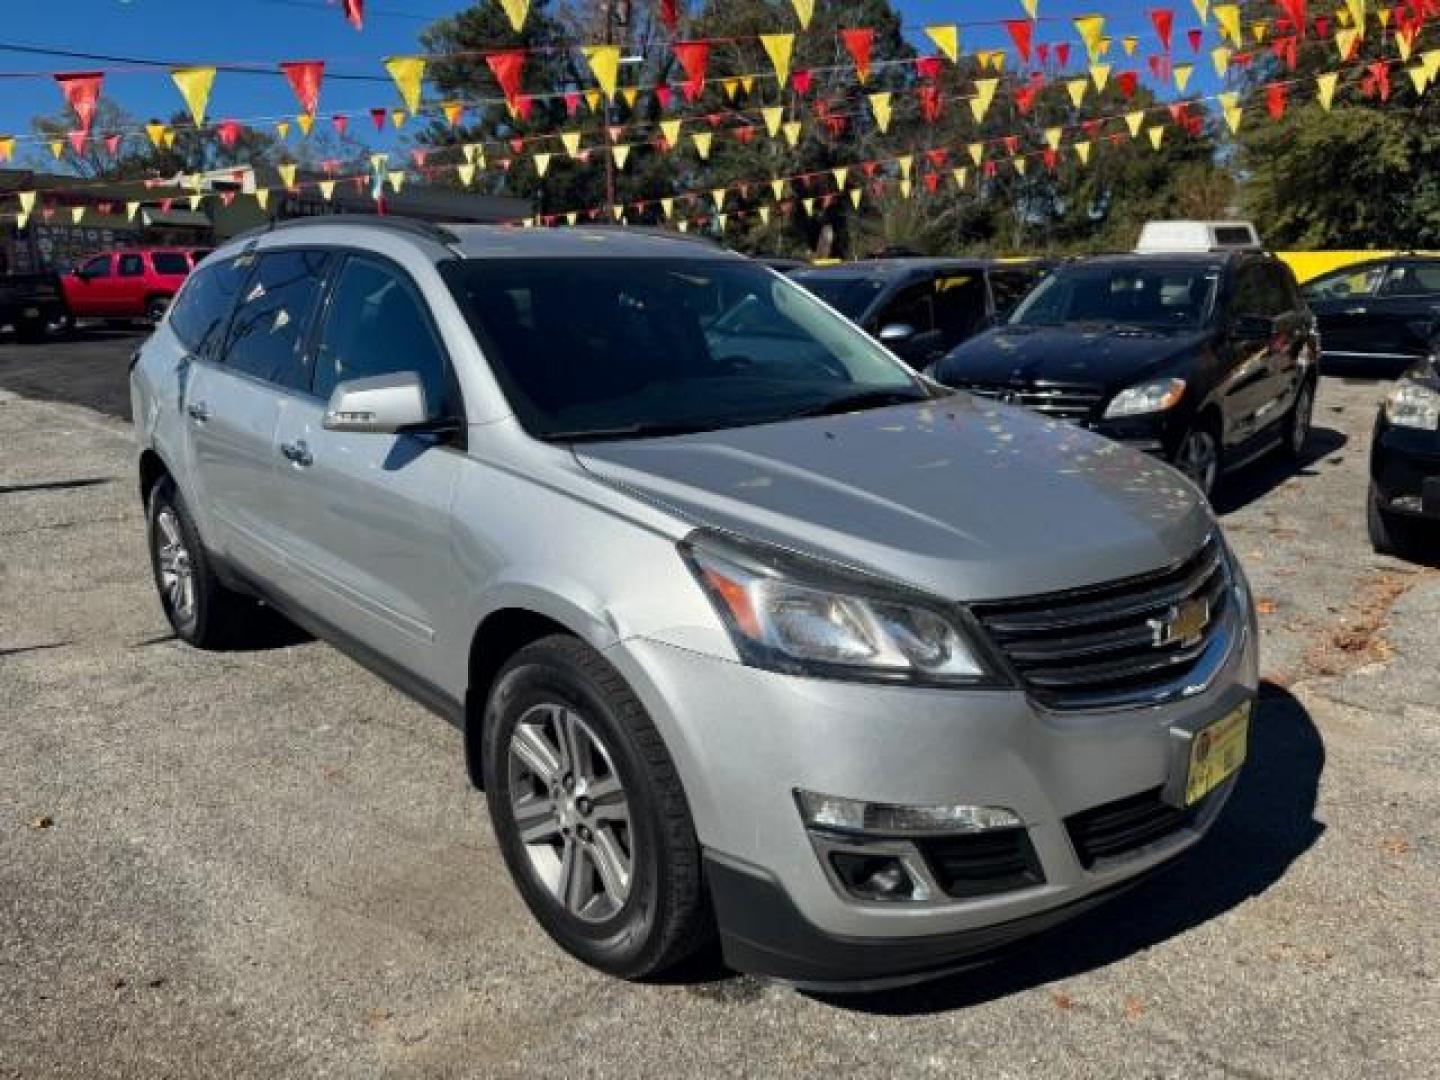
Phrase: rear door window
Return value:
(912, 306)
(1009, 287)
(268, 333)
(202, 312)
(959, 305)
(172, 263)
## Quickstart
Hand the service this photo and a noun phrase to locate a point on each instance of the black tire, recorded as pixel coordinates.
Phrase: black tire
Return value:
(1204, 427)
(1391, 533)
(30, 331)
(665, 916)
(155, 309)
(216, 617)
(1299, 420)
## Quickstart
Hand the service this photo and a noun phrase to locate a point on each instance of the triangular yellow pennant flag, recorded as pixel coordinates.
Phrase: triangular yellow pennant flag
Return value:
(906, 164)
(809, 205)
(792, 132)
(977, 153)
(516, 10)
(78, 212)
(947, 39)
(306, 122)
(465, 174)
(1076, 89)
(1431, 59)
(764, 213)
(1020, 164)
(156, 132)
(57, 148)
(571, 217)
(1202, 9)
(779, 47)
(409, 75)
(571, 141)
(667, 207)
(195, 201)
(604, 61)
(617, 211)
(1345, 41)
(747, 83)
(1091, 29)
(630, 95)
(282, 129)
(841, 174)
(1228, 16)
(1384, 16)
(1099, 75)
(1182, 73)
(1032, 8)
(397, 117)
(855, 194)
(1135, 121)
(774, 116)
(670, 132)
(731, 87)
(1325, 88)
(1357, 9)
(327, 189)
(1082, 151)
(473, 152)
(1418, 78)
(379, 161)
(621, 153)
(906, 187)
(1259, 29)
(717, 196)
(1053, 136)
(961, 175)
(132, 208)
(194, 85)
(702, 139)
(593, 99)
(169, 138)
(880, 106)
(27, 201)
(1220, 57)
(1405, 41)
(397, 179)
(777, 189)
(542, 164)
(804, 11)
(1130, 43)
(1157, 136)
(984, 95)
(1231, 110)
(287, 174)
(454, 112)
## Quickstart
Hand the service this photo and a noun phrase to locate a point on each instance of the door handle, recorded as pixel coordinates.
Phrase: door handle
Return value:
(297, 453)
(198, 411)
(1355, 311)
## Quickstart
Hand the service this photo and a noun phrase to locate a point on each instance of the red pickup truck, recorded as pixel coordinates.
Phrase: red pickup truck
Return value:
(135, 284)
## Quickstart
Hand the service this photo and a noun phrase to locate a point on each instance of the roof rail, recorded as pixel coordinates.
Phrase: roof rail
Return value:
(651, 230)
(427, 230)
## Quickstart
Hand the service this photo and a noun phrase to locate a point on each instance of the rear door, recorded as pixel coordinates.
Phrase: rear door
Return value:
(364, 518)
(1342, 302)
(1247, 386)
(1406, 309)
(233, 405)
(130, 284)
(169, 270)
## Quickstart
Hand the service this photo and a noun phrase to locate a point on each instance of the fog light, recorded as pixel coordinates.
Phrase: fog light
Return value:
(889, 819)
(873, 877)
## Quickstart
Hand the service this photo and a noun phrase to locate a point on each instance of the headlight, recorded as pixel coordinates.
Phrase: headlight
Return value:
(788, 614)
(1151, 397)
(1411, 405)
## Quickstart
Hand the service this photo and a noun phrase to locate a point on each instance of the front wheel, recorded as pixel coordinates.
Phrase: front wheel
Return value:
(1299, 421)
(1391, 533)
(1198, 456)
(590, 814)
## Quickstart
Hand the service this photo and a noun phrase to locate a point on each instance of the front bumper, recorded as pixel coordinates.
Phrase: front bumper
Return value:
(744, 740)
(1405, 469)
(1152, 433)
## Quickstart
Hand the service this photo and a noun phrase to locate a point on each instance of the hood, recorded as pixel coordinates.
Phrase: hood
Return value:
(1110, 358)
(968, 500)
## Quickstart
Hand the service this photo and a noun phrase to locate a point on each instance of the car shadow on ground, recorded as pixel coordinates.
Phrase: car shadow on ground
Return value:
(1268, 824)
(1256, 480)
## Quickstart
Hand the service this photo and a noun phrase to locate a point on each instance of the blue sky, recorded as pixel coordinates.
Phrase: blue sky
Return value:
(267, 31)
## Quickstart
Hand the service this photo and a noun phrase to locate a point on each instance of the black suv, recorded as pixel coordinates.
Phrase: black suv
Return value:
(1405, 467)
(922, 308)
(1208, 360)
(1385, 310)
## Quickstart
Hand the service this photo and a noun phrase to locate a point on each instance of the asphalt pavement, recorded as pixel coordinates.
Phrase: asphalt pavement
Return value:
(269, 864)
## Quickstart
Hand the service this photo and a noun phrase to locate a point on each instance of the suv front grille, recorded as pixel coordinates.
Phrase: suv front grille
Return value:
(1074, 402)
(1125, 825)
(1114, 644)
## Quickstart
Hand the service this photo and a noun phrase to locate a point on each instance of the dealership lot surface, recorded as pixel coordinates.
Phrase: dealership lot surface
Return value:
(270, 864)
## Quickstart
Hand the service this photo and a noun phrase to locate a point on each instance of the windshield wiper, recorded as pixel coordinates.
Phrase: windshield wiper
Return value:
(864, 399)
(631, 431)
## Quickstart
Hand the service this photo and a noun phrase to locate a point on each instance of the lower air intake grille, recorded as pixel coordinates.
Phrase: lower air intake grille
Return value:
(1120, 827)
(984, 863)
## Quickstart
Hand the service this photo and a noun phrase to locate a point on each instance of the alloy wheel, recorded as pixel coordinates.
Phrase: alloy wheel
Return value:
(571, 812)
(177, 572)
(1199, 459)
(1304, 417)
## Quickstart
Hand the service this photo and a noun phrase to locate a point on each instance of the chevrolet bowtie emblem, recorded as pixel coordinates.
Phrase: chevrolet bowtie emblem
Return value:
(1184, 624)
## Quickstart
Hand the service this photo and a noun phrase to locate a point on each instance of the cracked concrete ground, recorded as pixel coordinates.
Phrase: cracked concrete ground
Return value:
(269, 864)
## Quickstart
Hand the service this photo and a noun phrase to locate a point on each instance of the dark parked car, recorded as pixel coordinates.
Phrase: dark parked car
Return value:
(923, 308)
(32, 304)
(1207, 360)
(1385, 309)
(1405, 466)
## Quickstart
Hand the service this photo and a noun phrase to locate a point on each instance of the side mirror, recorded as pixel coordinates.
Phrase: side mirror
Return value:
(896, 333)
(1252, 328)
(383, 405)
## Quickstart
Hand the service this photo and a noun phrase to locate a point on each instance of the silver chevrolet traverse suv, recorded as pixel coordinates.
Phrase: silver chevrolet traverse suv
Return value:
(750, 629)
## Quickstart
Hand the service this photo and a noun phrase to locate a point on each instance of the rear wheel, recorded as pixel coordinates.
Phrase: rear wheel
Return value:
(155, 309)
(590, 814)
(30, 330)
(201, 610)
(1391, 533)
(1300, 421)
(1198, 455)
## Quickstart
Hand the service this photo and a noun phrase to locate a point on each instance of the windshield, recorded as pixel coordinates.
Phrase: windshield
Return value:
(851, 296)
(1173, 297)
(609, 348)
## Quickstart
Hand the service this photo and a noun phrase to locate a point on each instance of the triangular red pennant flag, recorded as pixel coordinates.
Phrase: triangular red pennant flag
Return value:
(1025, 99)
(305, 77)
(1380, 70)
(931, 103)
(1021, 31)
(869, 167)
(507, 67)
(801, 80)
(928, 67)
(1197, 37)
(112, 145)
(78, 140)
(932, 182)
(1012, 144)
(82, 94)
(355, 12)
(1052, 158)
(166, 205)
(572, 102)
(745, 134)
(1127, 81)
(938, 157)
(1275, 100)
(1043, 52)
(1322, 26)
(1164, 22)
(693, 56)
(229, 133)
(1177, 112)
(1091, 128)
(1295, 11)
(419, 154)
(662, 95)
(517, 145)
(341, 123)
(858, 44)
(378, 118)
(1062, 54)
(670, 14)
